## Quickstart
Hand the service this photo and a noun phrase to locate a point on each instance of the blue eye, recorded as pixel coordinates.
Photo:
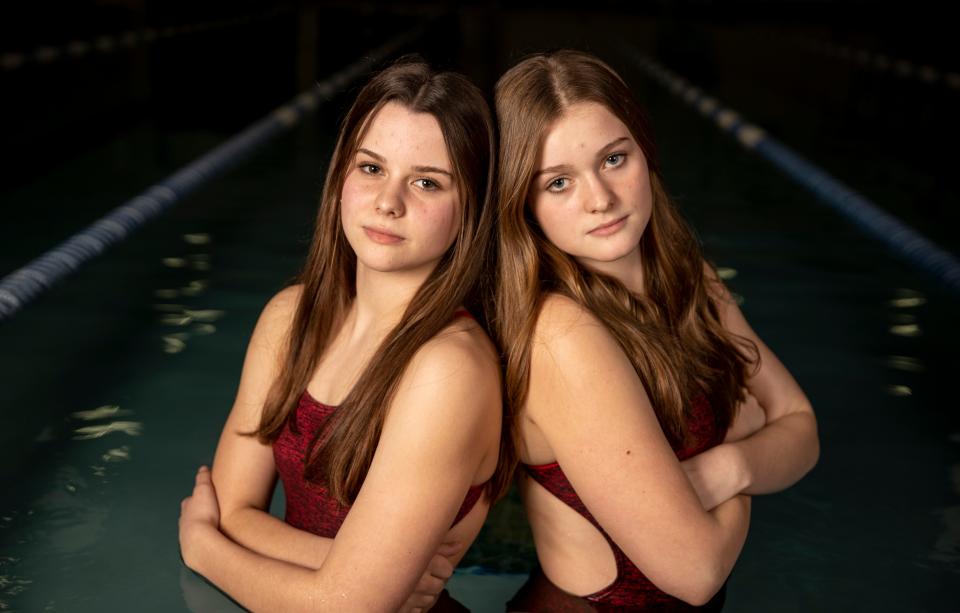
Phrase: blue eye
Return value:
(557, 185)
(616, 159)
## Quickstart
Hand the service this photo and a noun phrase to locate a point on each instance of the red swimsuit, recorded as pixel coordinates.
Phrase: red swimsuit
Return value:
(309, 507)
(631, 590)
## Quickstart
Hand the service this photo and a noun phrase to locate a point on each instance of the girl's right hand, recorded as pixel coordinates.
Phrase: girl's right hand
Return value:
(750, 418)
(434, 578)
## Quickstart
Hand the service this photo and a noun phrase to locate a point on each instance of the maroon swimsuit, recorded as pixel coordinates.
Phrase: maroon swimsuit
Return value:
(630, 590)
(309, 506)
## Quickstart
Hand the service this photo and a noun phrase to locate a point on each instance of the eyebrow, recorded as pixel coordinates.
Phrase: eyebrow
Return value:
(382, 160)
(564, 167)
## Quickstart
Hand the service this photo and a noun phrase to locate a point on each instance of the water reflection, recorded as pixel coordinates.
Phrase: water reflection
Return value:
(899, 390)
(174, 262)
(905, 363)
(107, 410)
(194, 288)
(198, 238)
(172, 344)
(117, 454)
(907, 303)
(130, 428)
(906, 298)
(726, 273)
(907, 330)
(204, 329)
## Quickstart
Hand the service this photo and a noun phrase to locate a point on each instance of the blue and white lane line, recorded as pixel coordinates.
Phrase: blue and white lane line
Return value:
(898, 236)
(24, 285)
(881, 63)
(108, 43)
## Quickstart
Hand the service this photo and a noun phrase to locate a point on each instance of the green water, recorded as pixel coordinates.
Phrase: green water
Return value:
(155, 332)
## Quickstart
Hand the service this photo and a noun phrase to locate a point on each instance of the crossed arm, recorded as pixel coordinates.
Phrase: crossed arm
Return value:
(427, 458)
(776, 455)
(588, 402)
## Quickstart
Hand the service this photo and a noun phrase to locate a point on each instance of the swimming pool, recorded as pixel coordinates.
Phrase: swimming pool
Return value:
(116, 385)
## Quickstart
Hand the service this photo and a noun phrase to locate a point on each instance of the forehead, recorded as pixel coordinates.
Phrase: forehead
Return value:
(405, 137)
(582, 129)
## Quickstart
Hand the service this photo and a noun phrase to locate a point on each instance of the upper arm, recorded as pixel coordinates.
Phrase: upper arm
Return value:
(587, 400)
(443, 422)
(244, 474)
(771, 383)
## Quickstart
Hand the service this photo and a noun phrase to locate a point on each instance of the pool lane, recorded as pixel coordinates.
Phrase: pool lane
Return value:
(871, 340)
(157, 329)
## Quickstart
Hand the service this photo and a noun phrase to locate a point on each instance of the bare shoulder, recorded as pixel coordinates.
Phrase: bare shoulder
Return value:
(461, 354)
(280, 308)
(277, 316)
(564, 326)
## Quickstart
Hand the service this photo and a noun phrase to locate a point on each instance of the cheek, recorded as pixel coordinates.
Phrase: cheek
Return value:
(351, 198)
(443, 221)
(557, 223)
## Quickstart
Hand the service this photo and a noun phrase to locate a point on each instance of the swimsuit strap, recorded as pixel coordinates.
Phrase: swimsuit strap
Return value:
(463, 313)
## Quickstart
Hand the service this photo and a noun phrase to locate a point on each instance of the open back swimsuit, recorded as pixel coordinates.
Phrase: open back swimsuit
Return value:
(309, 506)
(630, 590)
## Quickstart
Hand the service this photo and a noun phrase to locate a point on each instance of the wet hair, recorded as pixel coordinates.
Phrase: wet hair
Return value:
(341, 453)
(672, 333)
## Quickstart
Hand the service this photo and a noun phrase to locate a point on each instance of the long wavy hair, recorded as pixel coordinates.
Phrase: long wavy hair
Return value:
(672, 332)
(340, 454)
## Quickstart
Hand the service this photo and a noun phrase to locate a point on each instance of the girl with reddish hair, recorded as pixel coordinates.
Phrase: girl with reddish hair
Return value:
(645, 408)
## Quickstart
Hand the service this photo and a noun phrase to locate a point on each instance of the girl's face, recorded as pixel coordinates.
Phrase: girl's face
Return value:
(400, 208)
(591, 190)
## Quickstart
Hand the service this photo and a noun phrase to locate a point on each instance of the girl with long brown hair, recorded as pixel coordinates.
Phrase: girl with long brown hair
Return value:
(625, 355)
(367, 386)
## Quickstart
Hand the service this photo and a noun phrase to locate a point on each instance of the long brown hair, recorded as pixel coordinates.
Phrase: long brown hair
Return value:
(341, 453)
(672, 333)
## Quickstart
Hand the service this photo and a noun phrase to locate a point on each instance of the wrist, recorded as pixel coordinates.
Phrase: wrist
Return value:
(198, 541)
(739, 468)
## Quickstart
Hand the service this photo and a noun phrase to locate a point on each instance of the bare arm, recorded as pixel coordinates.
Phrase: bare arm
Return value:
(442, 427)
(244, 474)
(781, 452)
(586, 399)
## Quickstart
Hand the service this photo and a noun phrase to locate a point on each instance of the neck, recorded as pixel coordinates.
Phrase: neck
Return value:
(382, 298)
(628, 270)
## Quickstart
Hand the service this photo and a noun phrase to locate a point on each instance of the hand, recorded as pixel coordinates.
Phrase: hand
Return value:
(434, 579)
(750, 417)
(199, 513)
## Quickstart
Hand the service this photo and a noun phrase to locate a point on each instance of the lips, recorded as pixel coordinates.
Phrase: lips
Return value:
(609, 228)
(382, 236)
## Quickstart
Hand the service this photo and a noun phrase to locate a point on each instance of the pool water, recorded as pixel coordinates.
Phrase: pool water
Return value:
(116, 385)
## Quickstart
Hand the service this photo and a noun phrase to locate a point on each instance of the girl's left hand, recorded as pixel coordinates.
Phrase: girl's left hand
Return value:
(199, 513)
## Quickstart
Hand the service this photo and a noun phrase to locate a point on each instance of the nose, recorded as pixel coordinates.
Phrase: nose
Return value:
(390, 200)
(599, 197)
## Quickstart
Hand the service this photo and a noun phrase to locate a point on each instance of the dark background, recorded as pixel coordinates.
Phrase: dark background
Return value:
(876, 526)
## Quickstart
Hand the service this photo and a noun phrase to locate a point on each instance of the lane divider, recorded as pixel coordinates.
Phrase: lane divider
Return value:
(24, 285)
(898, 236)
(47, 54)
(879, 62)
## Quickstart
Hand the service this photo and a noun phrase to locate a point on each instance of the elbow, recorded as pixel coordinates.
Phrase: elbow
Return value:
(696, 584)
(702, 585)
(812, 445)
(232, 520)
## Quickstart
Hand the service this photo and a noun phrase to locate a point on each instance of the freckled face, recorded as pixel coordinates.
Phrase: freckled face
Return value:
(400, 208)
(591, 192)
